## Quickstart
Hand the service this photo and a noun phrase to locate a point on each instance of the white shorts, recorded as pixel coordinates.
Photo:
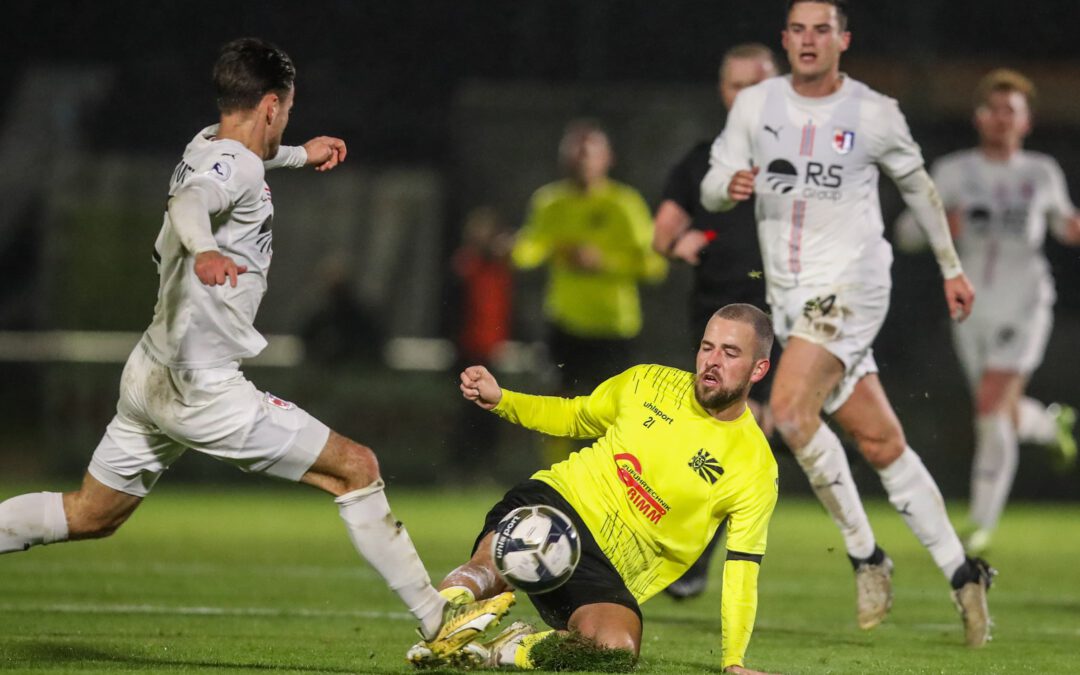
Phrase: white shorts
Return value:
(164, 411)
(1013, 343)
(844, 320)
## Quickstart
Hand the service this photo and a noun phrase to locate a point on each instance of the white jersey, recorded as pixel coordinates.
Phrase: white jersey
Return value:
(1004, 208)
(199, 326)
(819, 217)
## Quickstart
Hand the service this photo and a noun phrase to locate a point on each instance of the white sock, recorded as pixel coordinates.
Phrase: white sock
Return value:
(915, 495)
(826, 466)
(1035, 423)
(32, 520)
(997, 454)
(382, 540)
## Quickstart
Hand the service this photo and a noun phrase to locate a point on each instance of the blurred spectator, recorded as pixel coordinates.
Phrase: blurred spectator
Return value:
(594, 234)
(341, 328)
(482, 268)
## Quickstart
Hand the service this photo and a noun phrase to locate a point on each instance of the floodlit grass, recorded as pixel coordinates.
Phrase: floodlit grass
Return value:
(242, 579)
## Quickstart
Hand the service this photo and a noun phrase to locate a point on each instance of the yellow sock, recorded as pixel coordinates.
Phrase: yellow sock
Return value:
(458, 594)
(521, 657)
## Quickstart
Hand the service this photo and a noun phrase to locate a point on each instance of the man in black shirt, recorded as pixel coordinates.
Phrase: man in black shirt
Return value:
(722, 247)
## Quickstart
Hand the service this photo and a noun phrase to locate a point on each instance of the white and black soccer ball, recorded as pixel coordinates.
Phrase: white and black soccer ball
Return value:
(536, 548)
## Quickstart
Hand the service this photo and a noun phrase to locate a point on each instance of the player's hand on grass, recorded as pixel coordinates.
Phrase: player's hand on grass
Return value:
(689, 245)
(325, 152)
(741, 186)
(479, 386)
(960, 296)
(213, 268)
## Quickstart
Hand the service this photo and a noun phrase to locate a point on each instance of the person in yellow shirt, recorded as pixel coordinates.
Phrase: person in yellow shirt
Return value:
(595, 236)
(676, 453)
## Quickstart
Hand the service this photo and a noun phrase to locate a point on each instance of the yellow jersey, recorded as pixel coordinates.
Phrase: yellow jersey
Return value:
(660, 478)
(613, 218)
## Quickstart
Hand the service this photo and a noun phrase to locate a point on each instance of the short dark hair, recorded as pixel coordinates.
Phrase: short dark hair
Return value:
(759, 320)
(840, 5)
(248, 69)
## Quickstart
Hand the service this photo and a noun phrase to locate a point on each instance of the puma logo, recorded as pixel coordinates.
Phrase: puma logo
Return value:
(775, 132)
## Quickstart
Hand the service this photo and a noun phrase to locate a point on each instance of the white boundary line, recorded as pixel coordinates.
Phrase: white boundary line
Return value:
(70, 608)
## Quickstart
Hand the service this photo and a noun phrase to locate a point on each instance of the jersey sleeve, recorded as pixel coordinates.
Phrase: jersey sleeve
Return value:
(731, 151)
(683, 186)
(748, 521)
(637, 260)
(897, 152)
(288, 157)
(233, 178)
(946, 179)
(533, 245)
(1061, 205)
(580, 417)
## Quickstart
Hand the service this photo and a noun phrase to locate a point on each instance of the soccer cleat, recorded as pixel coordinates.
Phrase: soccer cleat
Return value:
(978, 542)
(873, 589)
(687, 586)
(1065, 446)
(970, 584)
(489, 654)
(462, 623)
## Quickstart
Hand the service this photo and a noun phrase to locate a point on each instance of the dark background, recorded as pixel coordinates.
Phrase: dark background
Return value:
(452, 104)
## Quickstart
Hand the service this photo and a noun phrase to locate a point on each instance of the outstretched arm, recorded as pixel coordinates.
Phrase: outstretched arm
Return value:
(322, 152)
(581, 417)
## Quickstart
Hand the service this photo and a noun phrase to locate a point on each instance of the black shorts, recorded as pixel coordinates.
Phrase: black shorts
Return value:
(595, 580)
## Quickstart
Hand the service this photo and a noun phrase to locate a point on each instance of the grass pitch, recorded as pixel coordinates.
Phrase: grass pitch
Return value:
(242, 579)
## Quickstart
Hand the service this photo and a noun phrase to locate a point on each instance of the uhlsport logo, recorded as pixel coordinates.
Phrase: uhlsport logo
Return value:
(706, 466)
(781, 176)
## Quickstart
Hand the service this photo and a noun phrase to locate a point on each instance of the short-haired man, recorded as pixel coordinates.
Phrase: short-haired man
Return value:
(675, 454)
(1001, 200)
(722, 248)
(182, 386)
(809, 147)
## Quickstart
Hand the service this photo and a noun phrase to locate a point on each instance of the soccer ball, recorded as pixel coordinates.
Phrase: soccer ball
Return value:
(536, 548)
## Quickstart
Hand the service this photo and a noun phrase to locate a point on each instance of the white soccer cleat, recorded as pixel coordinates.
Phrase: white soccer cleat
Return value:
(462, 623)
(970, 601)
(873, 590)
(1065, 446)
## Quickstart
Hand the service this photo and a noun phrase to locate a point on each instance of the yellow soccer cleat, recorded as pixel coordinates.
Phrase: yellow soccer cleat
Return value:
(462, 623)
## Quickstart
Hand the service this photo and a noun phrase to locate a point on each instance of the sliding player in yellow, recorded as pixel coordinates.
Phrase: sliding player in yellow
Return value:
(676, 453)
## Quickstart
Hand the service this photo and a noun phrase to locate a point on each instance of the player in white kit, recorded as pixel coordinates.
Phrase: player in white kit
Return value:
(1000, 200)
(182, 386)
(809, 146)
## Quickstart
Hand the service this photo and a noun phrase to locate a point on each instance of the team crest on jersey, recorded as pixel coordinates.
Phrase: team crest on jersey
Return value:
(279, 402)
(638, 491)
(843, 141)
(706, 466)
(221, 171)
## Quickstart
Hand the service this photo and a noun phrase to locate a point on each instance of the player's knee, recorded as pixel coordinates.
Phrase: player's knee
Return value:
(881, 447)
(795, 424)
(359, 467)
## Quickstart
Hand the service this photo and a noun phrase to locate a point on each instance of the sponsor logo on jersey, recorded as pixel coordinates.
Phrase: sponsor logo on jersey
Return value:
(781, 176)
(775, 132)
(659, 413)
(706, 466)
(221, 170)
(279, 402)
(843, 141)
(642, 497)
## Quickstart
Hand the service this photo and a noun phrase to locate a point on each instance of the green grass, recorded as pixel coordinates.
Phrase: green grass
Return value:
(243, 579)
